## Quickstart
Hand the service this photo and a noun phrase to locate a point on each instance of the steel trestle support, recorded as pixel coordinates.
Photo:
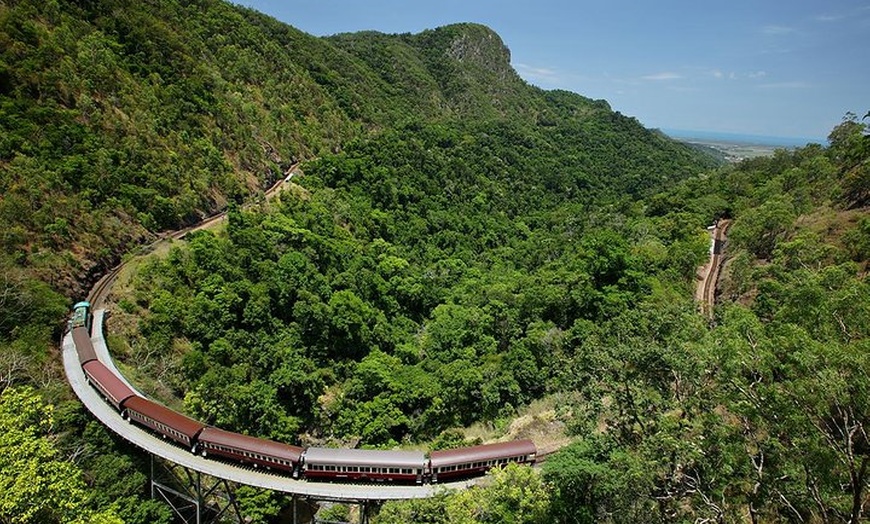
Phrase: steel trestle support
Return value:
(194, 498)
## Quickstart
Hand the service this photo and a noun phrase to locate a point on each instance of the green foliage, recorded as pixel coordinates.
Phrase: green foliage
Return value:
(118, 475)
(461, 243)
(439, 323)
(36, 484)
(512, 495)
(334, 513)
(260, 506)
(850, 148)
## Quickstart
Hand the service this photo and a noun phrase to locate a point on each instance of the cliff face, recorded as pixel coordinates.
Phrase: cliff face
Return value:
(480, 48)
(480, 79)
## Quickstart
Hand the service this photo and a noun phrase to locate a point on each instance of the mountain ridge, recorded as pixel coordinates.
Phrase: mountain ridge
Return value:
(157, 117)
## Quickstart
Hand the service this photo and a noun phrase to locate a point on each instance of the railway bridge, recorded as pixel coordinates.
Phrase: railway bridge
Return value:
(209, 490)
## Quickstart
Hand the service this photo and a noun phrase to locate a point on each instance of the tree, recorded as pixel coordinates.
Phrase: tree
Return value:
(36, 485)
(759, 229)
(515, 494)
(850, 147)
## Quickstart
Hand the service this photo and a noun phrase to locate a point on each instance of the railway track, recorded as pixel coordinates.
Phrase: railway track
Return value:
(707, 288)
(232, 472)
(228, 471)
(100, 291)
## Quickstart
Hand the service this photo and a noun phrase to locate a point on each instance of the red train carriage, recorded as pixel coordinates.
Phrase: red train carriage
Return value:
(84, 346)
(466, 462)
(260, 452)
(363, 464)
(163, 420)
(107, 383)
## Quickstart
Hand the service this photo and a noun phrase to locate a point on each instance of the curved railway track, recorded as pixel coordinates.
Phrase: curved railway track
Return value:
(228, 471)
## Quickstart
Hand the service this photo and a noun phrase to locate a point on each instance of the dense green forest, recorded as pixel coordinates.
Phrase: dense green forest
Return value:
(460, 244)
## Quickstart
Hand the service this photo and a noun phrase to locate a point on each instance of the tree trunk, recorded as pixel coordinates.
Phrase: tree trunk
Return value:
(857, 491)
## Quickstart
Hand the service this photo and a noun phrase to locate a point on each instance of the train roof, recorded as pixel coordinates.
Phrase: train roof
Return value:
(271, 448)
(83, 303)
(365, 457)
(514, 448)
(113, 385)
(84, 346)
(181, 423)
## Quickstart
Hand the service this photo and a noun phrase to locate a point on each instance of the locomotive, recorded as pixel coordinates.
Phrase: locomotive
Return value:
(310, 463)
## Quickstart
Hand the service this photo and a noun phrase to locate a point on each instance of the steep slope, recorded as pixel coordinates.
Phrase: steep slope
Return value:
(121, 120)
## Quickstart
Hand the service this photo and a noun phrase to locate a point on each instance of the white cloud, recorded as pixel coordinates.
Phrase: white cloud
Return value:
(776, 30)
(758, 74)
(542, 76)
(796, 84)
(717, 74)
(662, 76)
(536, 71)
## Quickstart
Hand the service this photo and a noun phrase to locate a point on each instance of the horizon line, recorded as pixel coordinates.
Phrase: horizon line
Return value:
(730, 136)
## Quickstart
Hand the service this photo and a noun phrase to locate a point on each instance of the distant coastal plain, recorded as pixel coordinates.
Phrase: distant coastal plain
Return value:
(736, 147)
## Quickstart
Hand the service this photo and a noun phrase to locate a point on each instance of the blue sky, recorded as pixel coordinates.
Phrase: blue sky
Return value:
(763, 67)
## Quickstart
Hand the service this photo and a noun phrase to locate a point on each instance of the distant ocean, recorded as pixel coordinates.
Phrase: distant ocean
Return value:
(738, 138)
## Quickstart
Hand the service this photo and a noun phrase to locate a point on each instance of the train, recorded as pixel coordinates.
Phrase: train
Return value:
(305, 463)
